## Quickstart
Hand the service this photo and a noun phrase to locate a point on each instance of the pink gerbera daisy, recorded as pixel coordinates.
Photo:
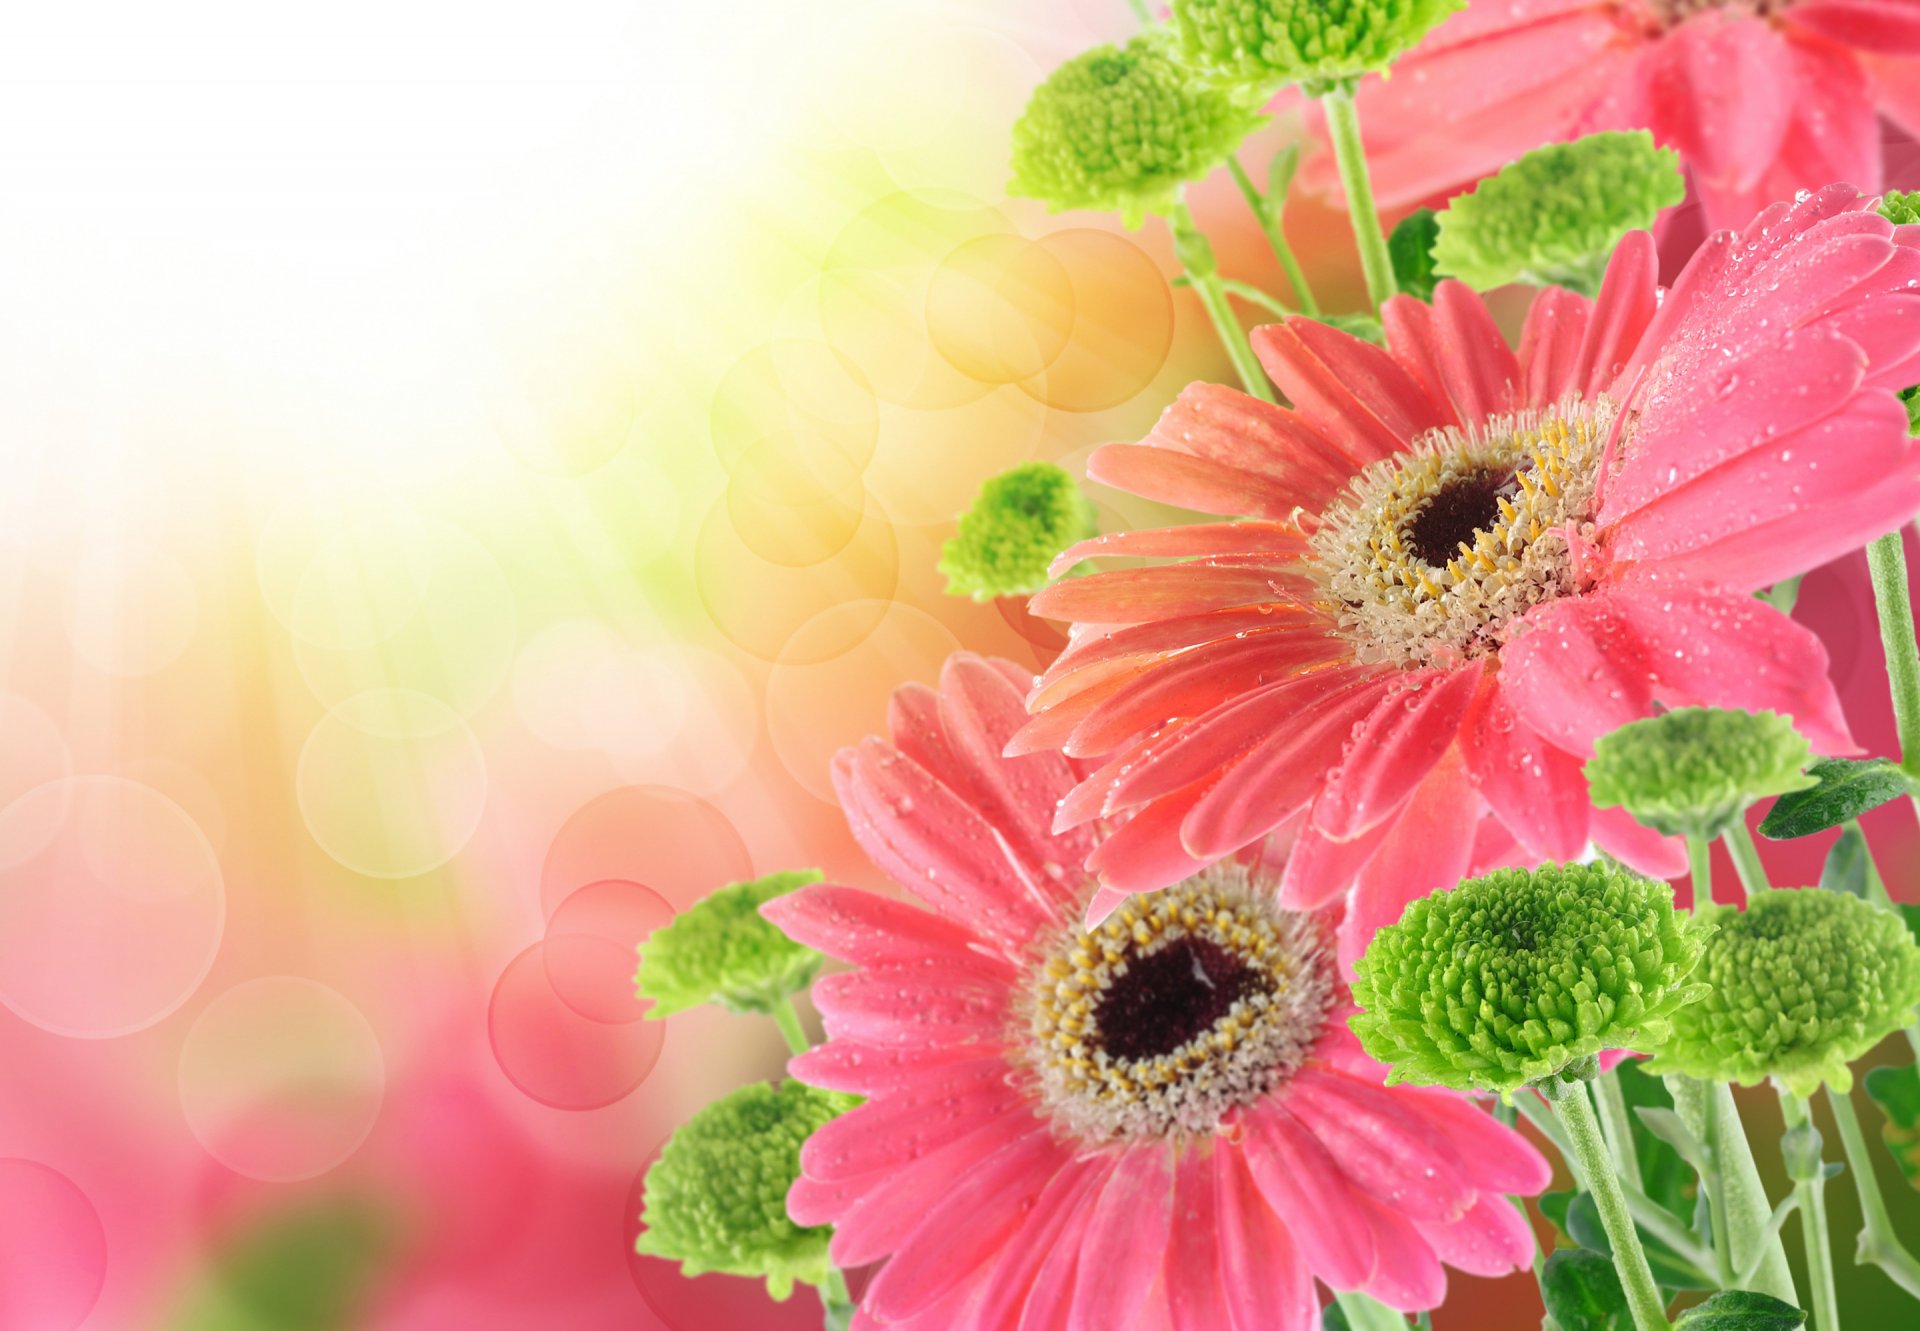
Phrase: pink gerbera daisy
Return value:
(1163, 1122)
(1464, 565)
(1761, 97)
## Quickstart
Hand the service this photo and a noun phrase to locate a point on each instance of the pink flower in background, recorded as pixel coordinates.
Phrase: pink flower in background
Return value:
(1463, 565)
(1161, 1123)
(1762, 98)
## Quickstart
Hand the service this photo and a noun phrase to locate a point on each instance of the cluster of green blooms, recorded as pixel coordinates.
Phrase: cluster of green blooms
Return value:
(1800, 984)
(1508, 979)
(1695, 770)
(1555, 215)
(716, 1200)
(1901, 208)
(1123, 128)
(1319, 43)
(721, 951)
(1019, 521)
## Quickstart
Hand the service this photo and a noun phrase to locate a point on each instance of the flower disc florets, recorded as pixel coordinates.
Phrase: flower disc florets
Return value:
(716, 1200)
(1122, 128)
(1510, 978)
(721, 951)
(1321, 43)
(1695, 770)
(1019, 521)
(1800, 984)
(1554, 216)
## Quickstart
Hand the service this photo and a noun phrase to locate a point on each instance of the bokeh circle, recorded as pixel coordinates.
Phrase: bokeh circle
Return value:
(53, 1249)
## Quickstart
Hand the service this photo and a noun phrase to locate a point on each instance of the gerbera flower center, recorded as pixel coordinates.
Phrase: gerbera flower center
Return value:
(1183, 1005)
(1430, 554)
(1672, 13)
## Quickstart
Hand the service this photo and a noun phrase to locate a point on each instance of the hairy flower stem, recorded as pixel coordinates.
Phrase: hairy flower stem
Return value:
(838, 1302)
(1878, 1242)
(1810, 1185)
(1364, 1314)
(1700, 866)
(788, 1020)
(1733, 1185)
(1887, 562)
(1267, 213)
(1196, 256)
(1343, 128)
(1575, 1112)
(1746, 858)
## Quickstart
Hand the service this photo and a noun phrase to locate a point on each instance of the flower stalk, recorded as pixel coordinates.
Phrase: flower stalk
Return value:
(1746, 859)
(1267, 212)
(1196, 257)
(1343, 130)
(1887, 563)
(1878, 1242)
(787, 1018)
(1733, 1184)
(1801, 1147)
(1575, 1113)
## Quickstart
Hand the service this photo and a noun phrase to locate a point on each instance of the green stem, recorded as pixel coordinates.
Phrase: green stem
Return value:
(1247, 291)
(1611, 1101)
(1887, 562)
(837, 1299)
(1785, 594)
(1700, 865)
(1746, 858)
(1575, 1112)
(1736, 1188)
(1877, 893)
(1878, 1243)
(1810, 1185)
(1715, 1182)
(1343, 128)
(1363, 1314)
(1274, 229)
(788, 1020)
(1197, 258)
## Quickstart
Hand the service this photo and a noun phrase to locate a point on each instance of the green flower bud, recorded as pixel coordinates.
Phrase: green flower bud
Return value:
(1124, 128)
(1695, 770)
(1320, 43)
(716, 1199)
(1555, 216)
(1800, 984)
(1901, 208)
(1511, 978)
(721, 951)
(1019, 521)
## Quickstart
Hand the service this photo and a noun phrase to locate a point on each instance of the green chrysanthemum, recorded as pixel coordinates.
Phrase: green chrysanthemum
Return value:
(1911, 396)
(1800, 984)
(716, 1200)
(1019, 521)
(1554, 216)
(1510, 978)
(1899, 207)
(721, 951)
(1695, 770)
(1320, 43)
(1123, 128)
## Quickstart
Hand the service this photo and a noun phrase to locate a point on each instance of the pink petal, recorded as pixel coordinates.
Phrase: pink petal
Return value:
(1263, 1280)
(1383, 1147)
(1501, 1160)
(1136, 595)
(892, 1205)
(1896, 87)
(1095, 645)
(1319, 868)
(1477, 368)
(1297, 1177)
(1056, 1217)
(1105, 901)
(1145, 853)
(978, 1215)
(1195, 1293)
(1640, 848)
(928, 1000)
(871, 930)
(1536, 789)
(1550, 345)
(1124, 1242)
(1576, 671)
(1234, 429)
(942, 1106)
(1408, 1275)
(1349, 390)
(1717, 79)
(842, 1065)
(1718, 649)
(1395, 748)
(1427, 851)
(1491, 1239)
(1278, 540)
(1198, 483)
(1884, 26)
(1629, 295)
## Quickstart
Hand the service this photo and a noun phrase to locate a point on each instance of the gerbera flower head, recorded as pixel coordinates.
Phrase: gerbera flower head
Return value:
(1158, 1120)
(1760, 97)
(1123, 128)
(1462, 565)
(1694, 771)
(1513, 978)
(1800, 984)
(1319, 43)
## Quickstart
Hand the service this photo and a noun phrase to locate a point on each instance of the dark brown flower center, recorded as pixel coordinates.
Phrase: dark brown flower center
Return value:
(1465, 507)
(1166, 999)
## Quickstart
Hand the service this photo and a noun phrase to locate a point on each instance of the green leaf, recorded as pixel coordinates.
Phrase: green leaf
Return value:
(1411, 249)
(1897, 1092)
(1582, 1292)
(1334, 1318)
(1554, 1206)
(1846, 867)
(1575, 1215)
(1666, 1125)
(1741, 1310)
(1911, 914)
(1664, 1176)
(1847, 788)
(1280, 176)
